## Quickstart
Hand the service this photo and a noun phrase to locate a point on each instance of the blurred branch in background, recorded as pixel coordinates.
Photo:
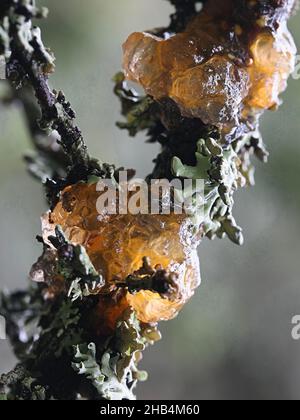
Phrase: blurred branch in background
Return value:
(50, 161)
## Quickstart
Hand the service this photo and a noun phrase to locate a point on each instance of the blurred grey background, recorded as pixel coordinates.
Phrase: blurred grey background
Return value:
(233, 341)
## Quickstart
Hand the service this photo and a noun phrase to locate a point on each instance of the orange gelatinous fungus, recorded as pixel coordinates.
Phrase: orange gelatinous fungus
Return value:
(223, 68)
(118, 243)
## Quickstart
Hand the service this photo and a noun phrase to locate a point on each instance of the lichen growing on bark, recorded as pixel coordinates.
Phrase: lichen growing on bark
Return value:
(102, 284)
